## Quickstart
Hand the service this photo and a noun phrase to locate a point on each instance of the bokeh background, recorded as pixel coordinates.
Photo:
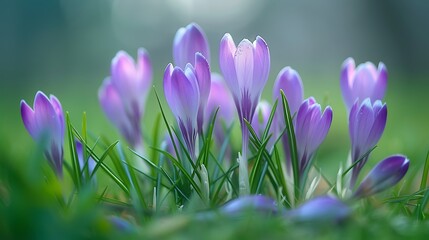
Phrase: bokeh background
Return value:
(65, 48)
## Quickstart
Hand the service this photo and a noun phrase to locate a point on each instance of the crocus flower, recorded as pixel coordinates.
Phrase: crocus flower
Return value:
(384, 175)
(366, 125)
(220, 97)
(188, 41)
(290, 82)
(260, 119)
(123, 95)
(257, 203)
(45, 122)
(323, 209)
(311, 126)
(183, 96)
(365, 81)
(245, 68)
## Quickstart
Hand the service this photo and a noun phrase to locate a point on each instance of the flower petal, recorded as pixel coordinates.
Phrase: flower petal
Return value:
(227, 64)
(187, 42)
(384, 175)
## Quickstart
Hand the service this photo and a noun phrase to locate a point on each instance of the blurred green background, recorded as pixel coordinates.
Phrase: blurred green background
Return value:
(65, 48)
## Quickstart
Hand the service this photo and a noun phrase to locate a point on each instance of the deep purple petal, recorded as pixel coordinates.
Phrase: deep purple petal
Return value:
(384, 175)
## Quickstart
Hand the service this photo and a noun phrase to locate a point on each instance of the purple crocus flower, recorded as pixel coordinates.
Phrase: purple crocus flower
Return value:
(123, 95)
(220, 97)
(365, 81)
(258, 203)
(311, 126)
(245, 68)
(188, 41)
(290, 82)
(260, 119)
(323, 209)
(384, 175)
(366, 125)
(45, 122)
(183, 96)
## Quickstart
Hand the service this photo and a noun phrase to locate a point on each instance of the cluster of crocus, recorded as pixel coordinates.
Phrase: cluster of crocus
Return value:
(363, 89)
(194, 93)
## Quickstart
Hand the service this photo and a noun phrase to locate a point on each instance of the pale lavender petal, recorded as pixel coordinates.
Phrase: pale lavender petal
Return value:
(143, 78)
(381, 84)
(123, 73)
(244, 64)
(261, 65)
(167, 83)
(187, 42)
(346, 81)
(364, 82)
(384, 175)
(202, 72)
(227, 64)
(59, 110)
(112, 105)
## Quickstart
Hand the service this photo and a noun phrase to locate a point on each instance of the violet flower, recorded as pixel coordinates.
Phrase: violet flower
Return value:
(123, 95)
(245, 68)
(366, 125)
(365, 81)
(257, 203)
(290, 82)
(260, 119)
(384, 175)
(220, 97)
(183, 96)
(311, 126)
(45, 123)
(187, 42)
(323, 209)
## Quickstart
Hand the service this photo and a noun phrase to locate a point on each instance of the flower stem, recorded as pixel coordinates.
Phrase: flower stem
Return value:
(243, 166)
